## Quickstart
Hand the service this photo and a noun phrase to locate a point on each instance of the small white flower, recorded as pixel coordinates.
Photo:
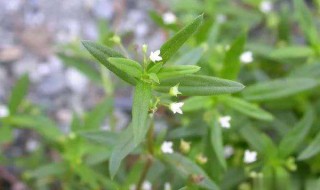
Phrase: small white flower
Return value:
(175, 107)
(246, 57)
(155, 56)
(266, 6)
(169, 18)
(166, 147)
(249, 156)
(225, 121)
(167, 186)
(174, 91)
(32, 145)
(221, 18)
(228, 151)
(146, 185)
(4, 111)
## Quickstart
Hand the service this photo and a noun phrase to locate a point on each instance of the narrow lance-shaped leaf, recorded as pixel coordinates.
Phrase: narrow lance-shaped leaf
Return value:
(18, 93)
(124, 146)
(247, 108)
(187, 168)
(279, 88)
(102, 53)
(257, 140)
(172, 45)
(198, 85)
(192, 57)
(177, 70)
(312, 149)
(217, 142)
(126, 65)
(292, 52)
(231, 63)
(295, 137)
(140, 108)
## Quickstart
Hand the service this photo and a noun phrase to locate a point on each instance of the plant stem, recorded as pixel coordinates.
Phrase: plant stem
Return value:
(149, 156)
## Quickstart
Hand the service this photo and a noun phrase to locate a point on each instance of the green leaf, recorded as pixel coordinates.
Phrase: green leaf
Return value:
(48, 170)
(306, 22)
(292, 52)
(199, 85)
(124, 146)
(19, 91)
(102, 53)
(196, 103)
(81, 65)
(295, 136)
(140, 108)
(186, 168)
(40, 124)
(191, 57)
(257, 140)
(216, 140)
(177, 70)
(94, 118)
(173, 45)
(312, 149)
(127, 65)
(247, 108)
(106, 138)
(154, 77)
(231, 63)
(279, 88)
(311, 70)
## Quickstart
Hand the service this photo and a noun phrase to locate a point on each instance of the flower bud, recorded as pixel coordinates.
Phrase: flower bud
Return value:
(184, 146)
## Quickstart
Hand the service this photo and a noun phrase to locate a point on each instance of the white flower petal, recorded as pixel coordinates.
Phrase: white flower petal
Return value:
(225, 121)
(250, 156)
(246, 57)
(266, 6)
(4, 111)
(169, 18)
(166, 147)
(155, 56)
(176, 107)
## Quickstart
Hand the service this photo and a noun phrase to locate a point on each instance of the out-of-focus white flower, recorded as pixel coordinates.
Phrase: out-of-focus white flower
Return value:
(32, 145)
(228, 151)
(250, 156)
(4, 111)
(166, 147)
(221, 18)
(167, 186)
(169, 18)
(266, 6)
(246, 57)
(76, 80)
(175, 107)
(174, 91)
(155, 56)
(225, 121)
(146, 185)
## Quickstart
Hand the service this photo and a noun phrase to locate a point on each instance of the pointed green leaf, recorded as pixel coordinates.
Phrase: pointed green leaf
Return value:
(140, 108)
(102, 53)
(154, 77)
(198, 85)
(306, 22)
(173, 45)
(19, 91)
(311, 70)
(231, 63)
(312, 149)
(257, 140)
(124, 146)
(279, 88)
(292, 52)
(192, 57)
(196, 103)
(107, 138)
(177, 70)
(185, 167)
(296, 135)
(126, 65)
(247, 108)
(217, 142)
